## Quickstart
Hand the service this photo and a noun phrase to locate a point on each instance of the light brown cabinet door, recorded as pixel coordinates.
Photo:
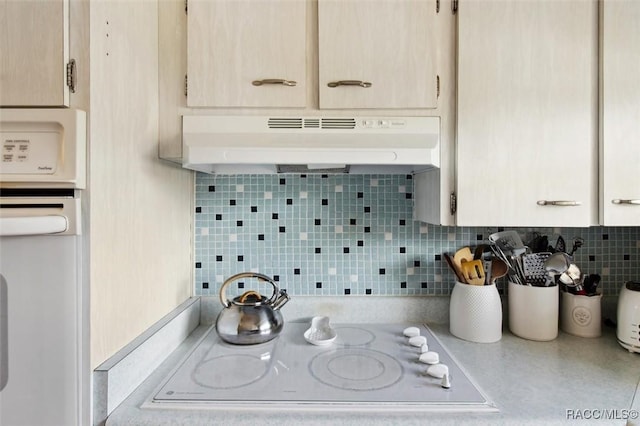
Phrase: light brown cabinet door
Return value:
(34, 51)
(620, 174)
(388, 45)
(527, 137)
(248, 53)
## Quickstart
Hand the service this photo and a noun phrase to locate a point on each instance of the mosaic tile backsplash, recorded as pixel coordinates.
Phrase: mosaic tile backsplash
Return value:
(339, 235)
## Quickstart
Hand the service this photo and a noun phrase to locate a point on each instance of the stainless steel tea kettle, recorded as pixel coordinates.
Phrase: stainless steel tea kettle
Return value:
(250, 318)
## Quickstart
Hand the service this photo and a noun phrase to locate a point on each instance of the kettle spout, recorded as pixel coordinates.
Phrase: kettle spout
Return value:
(280, 301)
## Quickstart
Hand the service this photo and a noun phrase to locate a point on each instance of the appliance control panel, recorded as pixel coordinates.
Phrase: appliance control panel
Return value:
(43, 147)
(383, 123)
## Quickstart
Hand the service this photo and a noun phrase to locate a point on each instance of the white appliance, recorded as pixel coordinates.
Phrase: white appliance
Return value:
(628, 330)
(43, 327)
(367, 367)
(263, 144)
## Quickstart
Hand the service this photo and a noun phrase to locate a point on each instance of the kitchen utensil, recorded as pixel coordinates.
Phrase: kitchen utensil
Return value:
(628, 315)
(561, 245)
(534, 270)
(473, 272)
(508, 241)
(463, 254)
(498, 269)
(454, 268)
(320, 333)
(577, 243)
(250, 318)
(557, 264)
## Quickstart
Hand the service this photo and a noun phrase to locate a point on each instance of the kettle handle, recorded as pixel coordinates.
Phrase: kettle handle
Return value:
(223, 294)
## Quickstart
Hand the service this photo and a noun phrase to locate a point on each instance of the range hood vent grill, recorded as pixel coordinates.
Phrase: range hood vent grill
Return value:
(311, 123)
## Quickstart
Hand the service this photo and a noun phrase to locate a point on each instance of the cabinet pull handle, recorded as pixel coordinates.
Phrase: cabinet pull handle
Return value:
(360, 83)
(632, 202)
(274, 81)
(561, 203)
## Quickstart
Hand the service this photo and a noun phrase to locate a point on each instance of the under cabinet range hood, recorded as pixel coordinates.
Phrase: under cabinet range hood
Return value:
(264, 144)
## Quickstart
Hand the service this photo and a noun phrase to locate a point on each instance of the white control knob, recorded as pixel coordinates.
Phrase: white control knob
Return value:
(446, 382)
(424, 348)
(418, 341)
(438, 371)
(429, 357)
(411, 331)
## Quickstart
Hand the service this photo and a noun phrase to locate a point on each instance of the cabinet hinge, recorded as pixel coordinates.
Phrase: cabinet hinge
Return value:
(437, 6)
(454, 6)
(453, 203)
(186, 7)
(186, 85)
(437, 86)
(71, 75)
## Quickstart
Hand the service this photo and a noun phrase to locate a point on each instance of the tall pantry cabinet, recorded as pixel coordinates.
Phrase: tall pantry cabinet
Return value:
(137, 210)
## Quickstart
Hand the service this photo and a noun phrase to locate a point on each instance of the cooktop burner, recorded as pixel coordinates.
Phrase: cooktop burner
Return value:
(368, 366)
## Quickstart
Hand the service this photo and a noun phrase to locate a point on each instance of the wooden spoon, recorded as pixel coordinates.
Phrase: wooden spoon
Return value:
(498, 269)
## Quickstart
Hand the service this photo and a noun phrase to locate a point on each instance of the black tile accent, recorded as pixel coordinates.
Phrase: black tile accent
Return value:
(408, 195)
(345, 250)
(260, 237)
(218, 217)
(409, 177)
(283, 181)
(500, 229)
(416, 263)
(403, 249)
(347, 291)
(238, 223)
(240, 285)
(627, 257)
(282, 229)
(317, 222)
(303, 176)
(254, 209)
(367, 291)
(240, 258)
(352, 221)
(276, 278)
(479, 237)
(274, 216)
(424, 285)
(438, 257)
(367, 209)
(289, 201)
(324, 176)
(592, 258)
(198, 209)
(402, 222)
(367, 229)
(232, 202)
(403, 284)
(198, 265)
(318, 250)
(605, 236)
(212, 188)
(360, 243)
(318, 285)
(218, 258)
(325, 202)
(382, 271)
(296, 271)
(360, 194)
(205, 286)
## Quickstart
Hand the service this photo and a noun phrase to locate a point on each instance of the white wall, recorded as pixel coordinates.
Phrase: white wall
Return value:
(140, 207)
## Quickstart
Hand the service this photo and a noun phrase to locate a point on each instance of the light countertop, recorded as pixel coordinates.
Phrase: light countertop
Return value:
(570, 380)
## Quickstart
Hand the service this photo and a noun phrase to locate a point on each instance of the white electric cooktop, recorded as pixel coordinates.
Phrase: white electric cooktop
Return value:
(368, 366)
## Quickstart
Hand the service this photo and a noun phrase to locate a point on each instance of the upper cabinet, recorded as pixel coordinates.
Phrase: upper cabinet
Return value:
(249, 53)
(377, 54)
(527, 125)
(34, 53)
(255, 53)
(620, 154)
